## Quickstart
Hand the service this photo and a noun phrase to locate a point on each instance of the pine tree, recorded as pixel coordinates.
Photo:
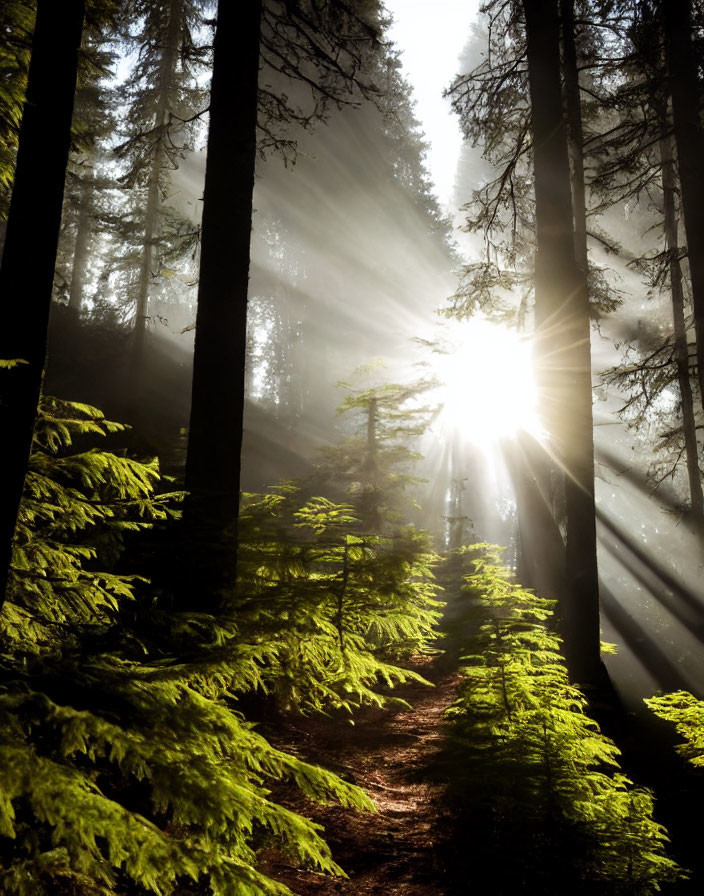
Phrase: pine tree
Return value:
(33, 221)
(164, 105)
(683, 83)
(536, 772)
(338, 605)
(322, 46)
(124, 762)
(375, 462)
(562, 336)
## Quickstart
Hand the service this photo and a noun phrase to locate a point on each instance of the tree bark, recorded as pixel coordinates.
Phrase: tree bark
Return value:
(29, 256)
(562, 339)
(215, 437)
(680, 331)
(684, 91)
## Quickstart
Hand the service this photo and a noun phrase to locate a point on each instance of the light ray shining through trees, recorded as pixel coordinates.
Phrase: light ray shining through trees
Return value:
(487, 389)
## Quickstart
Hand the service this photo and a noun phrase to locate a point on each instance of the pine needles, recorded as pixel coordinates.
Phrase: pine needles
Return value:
(544, 782)
(124, 764)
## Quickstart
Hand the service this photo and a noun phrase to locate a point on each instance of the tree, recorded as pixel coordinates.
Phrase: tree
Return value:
(632, 155)
(124, 766)
(311, 44)
(534, 769)
(27, 269)
(681, 349)
(215, 434)
(375, 462)
(164, 105)
(562, 336)
(684, 86)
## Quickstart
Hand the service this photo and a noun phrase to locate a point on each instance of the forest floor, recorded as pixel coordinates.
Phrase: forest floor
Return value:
(390, 753)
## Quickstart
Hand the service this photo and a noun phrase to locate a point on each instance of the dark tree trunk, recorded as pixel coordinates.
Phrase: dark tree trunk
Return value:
(684, 90)
(29, 256)
(680, 332)
(562, 338)
(541, 548)
(215, 437)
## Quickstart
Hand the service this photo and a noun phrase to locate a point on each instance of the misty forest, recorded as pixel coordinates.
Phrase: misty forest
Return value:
(352, 518)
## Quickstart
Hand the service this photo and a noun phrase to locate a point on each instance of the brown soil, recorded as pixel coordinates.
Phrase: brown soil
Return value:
(397, 851)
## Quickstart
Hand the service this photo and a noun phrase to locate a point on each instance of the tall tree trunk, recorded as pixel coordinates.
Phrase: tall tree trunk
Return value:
(80, 249)
(562, 338)
(29, 256)
(165, 84)
(215, 437)
(680, 331)
(684, 91)
(573, 106)
(541, 548)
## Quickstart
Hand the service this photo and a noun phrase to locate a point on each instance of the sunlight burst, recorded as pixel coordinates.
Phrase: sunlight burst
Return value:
(487, 387)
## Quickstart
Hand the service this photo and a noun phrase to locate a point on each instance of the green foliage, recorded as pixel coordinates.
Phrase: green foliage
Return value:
(376, 460)
(537, 767)
(687, 714)
(340, 607)
(16, 26)
(123, 766)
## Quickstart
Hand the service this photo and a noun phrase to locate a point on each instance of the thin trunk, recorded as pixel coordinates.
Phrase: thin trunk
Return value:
(167, 71)
(680, 330)
(215, 437)
(573, 106)
(29, 256)
(684, 91)
(562, 337)
(371, 463)
(80, 250)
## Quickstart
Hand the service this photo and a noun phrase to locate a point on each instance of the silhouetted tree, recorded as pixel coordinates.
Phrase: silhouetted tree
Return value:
(685, 88)
(29, 256)
(562, 336)
(323, 47)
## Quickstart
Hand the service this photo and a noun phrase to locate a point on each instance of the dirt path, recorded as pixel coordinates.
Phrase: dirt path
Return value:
(395, 852)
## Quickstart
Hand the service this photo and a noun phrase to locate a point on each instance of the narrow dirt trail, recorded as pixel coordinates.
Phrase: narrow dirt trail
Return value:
(398, 851)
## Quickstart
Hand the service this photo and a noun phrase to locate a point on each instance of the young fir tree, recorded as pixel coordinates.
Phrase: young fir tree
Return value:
(124, 767)
(687, 714)
(537, 775)
(339, 606)
(375, 462)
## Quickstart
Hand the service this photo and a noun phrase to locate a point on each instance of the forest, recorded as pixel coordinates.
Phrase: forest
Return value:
(351, 537)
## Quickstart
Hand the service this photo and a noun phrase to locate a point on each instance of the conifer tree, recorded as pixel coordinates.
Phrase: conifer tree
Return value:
(340, 606)
(29, 256)
(123, 762)
(536, 772)
(375, 462)
(562, 336)
(631, 156)
(165, 103)
(684, 87)
(323, 47)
